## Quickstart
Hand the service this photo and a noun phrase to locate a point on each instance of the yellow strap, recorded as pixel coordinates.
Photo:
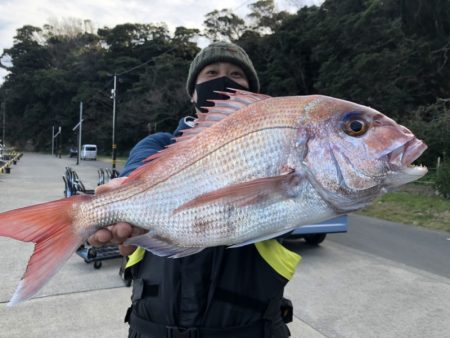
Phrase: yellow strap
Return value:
(135, 257)
(282, 260)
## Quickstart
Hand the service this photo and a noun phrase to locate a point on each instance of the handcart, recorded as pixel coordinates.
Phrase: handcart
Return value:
(74, 186)
(97, 255)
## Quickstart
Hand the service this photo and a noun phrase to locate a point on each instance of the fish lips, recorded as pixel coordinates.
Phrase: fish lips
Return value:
(406, 154)
(400, 163)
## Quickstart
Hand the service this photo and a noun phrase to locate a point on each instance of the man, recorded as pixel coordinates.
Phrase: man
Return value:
(218, 292)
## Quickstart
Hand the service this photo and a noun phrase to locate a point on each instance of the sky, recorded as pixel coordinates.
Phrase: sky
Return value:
(188, 13)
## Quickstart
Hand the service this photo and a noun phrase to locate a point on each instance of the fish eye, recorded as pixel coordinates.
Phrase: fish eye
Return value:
(355, 125)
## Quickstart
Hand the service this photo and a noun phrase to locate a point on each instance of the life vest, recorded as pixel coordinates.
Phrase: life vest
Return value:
(218, 288)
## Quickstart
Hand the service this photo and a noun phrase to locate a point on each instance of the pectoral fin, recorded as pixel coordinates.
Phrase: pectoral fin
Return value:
(252, 192)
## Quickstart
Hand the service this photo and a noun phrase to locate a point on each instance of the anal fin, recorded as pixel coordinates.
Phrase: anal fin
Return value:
(161, 246)
(259, 239)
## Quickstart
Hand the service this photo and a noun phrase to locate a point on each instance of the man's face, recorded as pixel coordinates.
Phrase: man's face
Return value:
(220, 69)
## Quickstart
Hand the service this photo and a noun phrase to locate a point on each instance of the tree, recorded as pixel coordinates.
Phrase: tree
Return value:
(125, 38)
(426, 18)
(265, 17)
(391, 55)
(223, 25)
(27, 53)
(432, 123)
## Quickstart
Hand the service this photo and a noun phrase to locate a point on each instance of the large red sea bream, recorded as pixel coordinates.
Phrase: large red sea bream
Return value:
(255, 167)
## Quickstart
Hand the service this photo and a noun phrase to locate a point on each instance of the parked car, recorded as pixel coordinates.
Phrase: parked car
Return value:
(315, 234)
(73, 152)
(88, 152)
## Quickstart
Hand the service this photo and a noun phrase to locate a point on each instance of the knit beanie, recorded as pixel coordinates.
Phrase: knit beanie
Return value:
(222, 52)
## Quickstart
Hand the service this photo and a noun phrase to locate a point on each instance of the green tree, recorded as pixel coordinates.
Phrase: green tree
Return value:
(223, 25)
(432, 123)
(391, 55)
(265, 17)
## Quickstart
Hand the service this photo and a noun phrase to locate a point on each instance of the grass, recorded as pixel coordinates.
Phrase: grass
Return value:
(415, 204)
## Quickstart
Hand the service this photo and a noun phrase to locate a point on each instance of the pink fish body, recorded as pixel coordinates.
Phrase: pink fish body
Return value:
(255, 167)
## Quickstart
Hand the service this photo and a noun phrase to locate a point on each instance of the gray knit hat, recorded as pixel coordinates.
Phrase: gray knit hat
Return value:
(222, 52)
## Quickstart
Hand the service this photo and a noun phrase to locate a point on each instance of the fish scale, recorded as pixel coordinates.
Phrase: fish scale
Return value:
(190, 183)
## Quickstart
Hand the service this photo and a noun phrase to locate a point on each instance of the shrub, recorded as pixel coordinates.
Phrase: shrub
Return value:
(432, 124)
(443, 180)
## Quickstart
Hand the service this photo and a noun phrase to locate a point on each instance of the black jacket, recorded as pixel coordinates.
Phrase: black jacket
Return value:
(216, 289)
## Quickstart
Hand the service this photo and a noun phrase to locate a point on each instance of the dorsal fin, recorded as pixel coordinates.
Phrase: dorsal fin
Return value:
(221, 109)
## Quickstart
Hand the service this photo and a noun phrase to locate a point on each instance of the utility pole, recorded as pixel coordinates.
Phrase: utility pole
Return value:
(114, 146)
(79, 125)
(4, 123)
(53, 139)
(79, 132)
(60, 141)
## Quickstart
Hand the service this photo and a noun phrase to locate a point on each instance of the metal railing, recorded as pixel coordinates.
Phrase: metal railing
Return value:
(7, 160)
(73, 186)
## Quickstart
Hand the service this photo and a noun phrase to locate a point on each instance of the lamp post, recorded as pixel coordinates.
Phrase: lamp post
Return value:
(79, 132)
(2, 143)
(4, 124)
(60, 142)
(114, 173)
(113, 97)
(54, 137)
(79, 125)
(114, 146)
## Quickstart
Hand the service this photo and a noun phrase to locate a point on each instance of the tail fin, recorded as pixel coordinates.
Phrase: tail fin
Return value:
(49, 225)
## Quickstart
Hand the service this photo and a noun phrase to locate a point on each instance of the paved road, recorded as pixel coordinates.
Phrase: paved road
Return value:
(417, 247)
(381, 279)
(350, 286)
(79, 301)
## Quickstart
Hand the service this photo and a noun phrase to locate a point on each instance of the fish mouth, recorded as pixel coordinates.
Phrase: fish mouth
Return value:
(400, 163)
(405, 155)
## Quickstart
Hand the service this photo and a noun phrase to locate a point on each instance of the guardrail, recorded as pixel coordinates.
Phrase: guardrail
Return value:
(8, 160)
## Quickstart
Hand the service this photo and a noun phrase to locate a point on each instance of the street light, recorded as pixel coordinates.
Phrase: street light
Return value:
(113, 97)
(79, 125)
(2, 141)
(53, 139)
(4, 124)
(60, 142)
(114, 146)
